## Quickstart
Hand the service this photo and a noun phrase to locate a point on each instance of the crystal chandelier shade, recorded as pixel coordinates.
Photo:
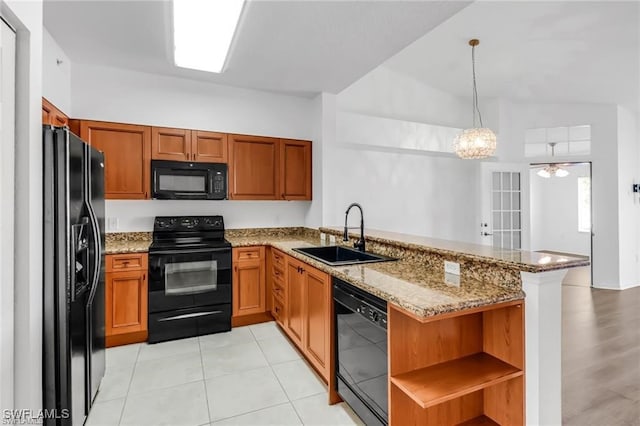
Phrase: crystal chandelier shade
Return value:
(477, 142)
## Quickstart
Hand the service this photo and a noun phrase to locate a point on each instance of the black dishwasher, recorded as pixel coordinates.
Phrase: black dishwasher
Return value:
(361, 351)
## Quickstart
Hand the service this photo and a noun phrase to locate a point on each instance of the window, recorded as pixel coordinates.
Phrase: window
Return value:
(506, 210)
(568, 141)
(584, 204)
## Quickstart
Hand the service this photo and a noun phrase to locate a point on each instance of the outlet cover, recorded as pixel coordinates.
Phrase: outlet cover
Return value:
(332, 240)
(451, 268)
(112, 224)
(452, 279)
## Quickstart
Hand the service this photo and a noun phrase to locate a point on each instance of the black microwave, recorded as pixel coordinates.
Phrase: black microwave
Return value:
(173, 180)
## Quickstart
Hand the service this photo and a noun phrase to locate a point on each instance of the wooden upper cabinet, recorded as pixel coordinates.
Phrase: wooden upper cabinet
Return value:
(295, 169)
(127, 157)
(170, 144)
(52, 115)
(208, 147)
(253, 168)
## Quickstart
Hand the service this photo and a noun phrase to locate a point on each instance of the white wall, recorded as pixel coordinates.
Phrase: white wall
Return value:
(402, 190)
(554, 212)
(7, 193)
(137, 216)
(119, 95)
(56, 74)
(516, 118)
(26, 17)
(628, 202)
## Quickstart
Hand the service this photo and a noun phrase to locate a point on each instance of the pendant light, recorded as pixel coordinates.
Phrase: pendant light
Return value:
(477, 142)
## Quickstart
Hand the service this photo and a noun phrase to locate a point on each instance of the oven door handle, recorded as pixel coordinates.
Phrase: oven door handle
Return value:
(187, 251)
(192, 315)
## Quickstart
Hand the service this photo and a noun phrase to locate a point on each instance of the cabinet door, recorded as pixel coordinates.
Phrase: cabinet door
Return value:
(317, 321)
(295, 169)
(52, 115)
(47, 112)
(249, 294)
(126, 302)
(127, 157)
(209, 147)
(171, 144)
(253, 168)
(295, 301)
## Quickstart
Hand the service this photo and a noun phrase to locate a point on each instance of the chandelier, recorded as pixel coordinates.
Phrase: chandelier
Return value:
(477, 142)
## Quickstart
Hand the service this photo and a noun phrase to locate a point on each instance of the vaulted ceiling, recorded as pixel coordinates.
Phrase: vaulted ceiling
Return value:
(560, 51)
(299, 47)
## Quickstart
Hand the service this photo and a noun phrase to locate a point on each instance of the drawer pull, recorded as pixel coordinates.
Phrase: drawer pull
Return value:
(193, 315)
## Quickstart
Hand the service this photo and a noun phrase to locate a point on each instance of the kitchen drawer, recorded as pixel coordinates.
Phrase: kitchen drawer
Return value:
(277, 274)
(126, 262)
(277, 310)
(278, 290)
(249, 253)
(277, 258)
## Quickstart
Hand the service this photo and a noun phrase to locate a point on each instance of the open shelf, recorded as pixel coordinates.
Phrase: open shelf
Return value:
(442, 382)
(479, 421)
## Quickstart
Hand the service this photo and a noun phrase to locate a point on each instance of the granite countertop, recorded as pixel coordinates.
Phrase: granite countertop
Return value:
(418, 289)
(127, 242)
(526, 261)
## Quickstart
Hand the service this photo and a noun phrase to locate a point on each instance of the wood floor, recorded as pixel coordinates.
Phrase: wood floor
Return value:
(601, 357)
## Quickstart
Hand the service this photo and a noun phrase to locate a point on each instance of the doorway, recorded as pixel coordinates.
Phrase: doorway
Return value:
(560, 214)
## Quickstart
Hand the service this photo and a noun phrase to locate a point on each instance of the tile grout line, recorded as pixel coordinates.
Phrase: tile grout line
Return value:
(204, 380)
(126, 396)
(280, 383)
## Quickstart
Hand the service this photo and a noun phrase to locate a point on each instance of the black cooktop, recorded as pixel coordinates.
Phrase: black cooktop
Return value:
(188, 232)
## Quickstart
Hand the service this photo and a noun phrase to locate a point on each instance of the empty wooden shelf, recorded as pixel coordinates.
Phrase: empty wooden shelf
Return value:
(448, 380)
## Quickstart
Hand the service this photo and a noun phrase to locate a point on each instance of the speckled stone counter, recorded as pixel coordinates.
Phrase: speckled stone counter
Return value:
(127, 242)
(415, 286)
(518, 260)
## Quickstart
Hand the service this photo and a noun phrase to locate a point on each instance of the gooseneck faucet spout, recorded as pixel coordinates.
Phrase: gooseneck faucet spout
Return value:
(360, 243)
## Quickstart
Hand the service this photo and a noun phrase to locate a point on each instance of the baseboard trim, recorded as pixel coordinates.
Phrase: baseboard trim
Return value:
(251, 319)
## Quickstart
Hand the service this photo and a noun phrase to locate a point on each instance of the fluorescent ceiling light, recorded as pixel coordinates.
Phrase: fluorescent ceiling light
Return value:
(202, 32)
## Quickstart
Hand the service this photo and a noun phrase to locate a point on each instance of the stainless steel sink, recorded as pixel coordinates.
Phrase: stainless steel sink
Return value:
(339, 255)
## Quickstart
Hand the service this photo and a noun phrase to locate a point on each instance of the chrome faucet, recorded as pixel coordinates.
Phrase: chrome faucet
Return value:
(360, 243)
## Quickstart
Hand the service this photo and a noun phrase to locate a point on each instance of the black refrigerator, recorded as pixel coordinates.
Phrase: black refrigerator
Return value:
(74, 293)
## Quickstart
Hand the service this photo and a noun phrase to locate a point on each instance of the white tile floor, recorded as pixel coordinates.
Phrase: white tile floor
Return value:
(249, 376)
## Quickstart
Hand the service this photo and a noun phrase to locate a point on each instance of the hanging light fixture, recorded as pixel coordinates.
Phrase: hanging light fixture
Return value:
(552, 170)
(477, 142)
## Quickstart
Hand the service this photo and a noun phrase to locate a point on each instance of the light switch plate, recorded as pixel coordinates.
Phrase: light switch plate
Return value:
(323, 238)
(451, 268)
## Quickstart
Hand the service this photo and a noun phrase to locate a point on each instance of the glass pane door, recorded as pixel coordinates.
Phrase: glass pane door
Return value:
(506, 210)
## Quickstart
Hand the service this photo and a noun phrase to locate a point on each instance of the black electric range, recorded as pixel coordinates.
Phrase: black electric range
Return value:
(189, 278)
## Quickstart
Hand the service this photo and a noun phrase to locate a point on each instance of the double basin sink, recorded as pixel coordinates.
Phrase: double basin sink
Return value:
(339, 255)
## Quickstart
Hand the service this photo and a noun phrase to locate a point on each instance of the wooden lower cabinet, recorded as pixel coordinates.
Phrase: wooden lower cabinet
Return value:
(126, 298)
(317, 335)
(294, 278)
(308, 313)
(249, 286)
(461, 368)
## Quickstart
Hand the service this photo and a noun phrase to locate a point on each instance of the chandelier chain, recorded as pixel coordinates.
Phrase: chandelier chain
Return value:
(476, 107)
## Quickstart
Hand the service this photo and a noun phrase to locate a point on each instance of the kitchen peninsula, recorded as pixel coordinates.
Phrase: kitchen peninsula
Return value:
(478, 320)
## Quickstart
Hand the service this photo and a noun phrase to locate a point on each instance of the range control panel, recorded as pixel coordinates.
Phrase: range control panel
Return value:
(188, 223)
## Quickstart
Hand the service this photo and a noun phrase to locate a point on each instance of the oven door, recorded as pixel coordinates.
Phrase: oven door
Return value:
(188, 278)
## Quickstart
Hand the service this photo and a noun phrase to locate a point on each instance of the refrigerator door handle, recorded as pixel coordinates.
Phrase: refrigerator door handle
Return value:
(97, 250)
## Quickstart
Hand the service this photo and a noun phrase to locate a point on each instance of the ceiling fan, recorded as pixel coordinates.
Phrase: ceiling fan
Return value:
(548, 170)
